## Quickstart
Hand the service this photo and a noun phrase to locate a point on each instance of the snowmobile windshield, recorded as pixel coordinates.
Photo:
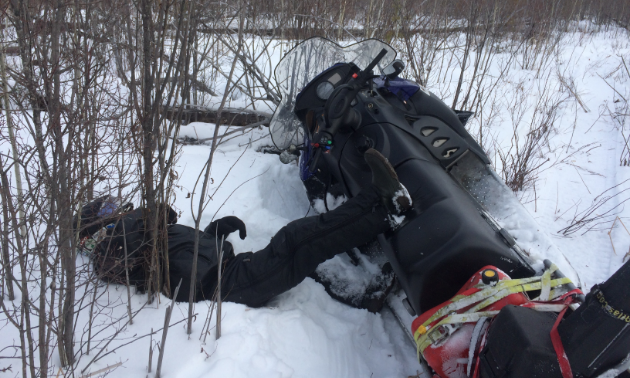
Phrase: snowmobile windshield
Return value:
(301, 65)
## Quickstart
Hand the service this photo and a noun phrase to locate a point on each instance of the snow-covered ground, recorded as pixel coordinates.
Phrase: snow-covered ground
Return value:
(585, 152)
(304, 332)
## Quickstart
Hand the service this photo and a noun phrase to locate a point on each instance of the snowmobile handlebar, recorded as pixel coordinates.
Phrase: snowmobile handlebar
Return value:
(338, 105)
(338, 110)
(370, 67)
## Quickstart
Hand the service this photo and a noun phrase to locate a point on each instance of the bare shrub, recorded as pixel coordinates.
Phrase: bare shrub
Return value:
(601, 212)
(532, 126)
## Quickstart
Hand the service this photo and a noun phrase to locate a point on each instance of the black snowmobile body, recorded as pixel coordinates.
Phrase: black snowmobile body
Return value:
(445, 238)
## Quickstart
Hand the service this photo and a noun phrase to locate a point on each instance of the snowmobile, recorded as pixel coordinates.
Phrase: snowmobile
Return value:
(475, 303)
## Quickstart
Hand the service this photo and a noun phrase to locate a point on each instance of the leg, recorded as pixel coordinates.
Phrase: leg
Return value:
(299, 247)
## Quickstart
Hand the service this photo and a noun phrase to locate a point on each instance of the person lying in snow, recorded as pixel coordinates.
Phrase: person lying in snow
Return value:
(250, 278)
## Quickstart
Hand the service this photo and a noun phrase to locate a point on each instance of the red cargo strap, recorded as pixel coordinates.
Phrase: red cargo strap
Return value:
(565, 366)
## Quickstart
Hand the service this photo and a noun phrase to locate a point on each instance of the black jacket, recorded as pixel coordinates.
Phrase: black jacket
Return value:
(109, 255)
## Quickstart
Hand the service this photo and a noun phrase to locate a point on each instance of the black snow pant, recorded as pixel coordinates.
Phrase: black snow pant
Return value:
(253, 278)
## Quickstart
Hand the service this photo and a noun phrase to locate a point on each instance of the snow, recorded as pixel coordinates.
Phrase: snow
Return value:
(402, 192)
(347, 280)
(331, 201)
(355, 282)
(304, 332)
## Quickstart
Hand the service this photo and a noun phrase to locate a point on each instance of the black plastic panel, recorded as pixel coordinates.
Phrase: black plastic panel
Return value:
(431, 131)
(519, 345)
(431, 105)
(307, 98)
(446, 240)
(450, 236)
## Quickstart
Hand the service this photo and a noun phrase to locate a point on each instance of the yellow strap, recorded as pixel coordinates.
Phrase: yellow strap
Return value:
(425, 340)
(546, 307)
(515, 289)
(474, 317)
(545, 291)
(421, 335)
(460, 302)
(500, 295)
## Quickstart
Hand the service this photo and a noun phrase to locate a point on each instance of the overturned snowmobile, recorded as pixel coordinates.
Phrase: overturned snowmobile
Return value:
(482, 308)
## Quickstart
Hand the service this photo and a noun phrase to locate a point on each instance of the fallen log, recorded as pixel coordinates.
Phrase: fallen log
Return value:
(229, 116)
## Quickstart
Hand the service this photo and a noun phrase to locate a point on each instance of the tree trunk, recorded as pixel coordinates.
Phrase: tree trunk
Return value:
(149, 139)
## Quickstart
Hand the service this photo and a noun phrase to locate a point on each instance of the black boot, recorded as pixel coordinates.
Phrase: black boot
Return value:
(393, 194)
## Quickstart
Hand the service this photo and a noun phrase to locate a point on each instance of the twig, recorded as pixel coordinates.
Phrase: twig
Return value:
(624, 64)
(127, 274)
(588, 216)
(578, 172)
(557, 197)
(208, 165)
(245, 182)
(220, 259)
(137, 339)
(206, 325)
(611, 229)
(616, 91)
(167, 320)
(150, 351)
(573, 92)
(338, 25)
(103, 370)
(98, 355)
(235, 130)
(211, 354)
(228, 173)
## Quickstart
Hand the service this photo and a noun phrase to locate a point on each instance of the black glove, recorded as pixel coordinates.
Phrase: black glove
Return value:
(225, 226)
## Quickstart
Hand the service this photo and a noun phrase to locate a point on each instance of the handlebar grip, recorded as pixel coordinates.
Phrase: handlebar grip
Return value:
(373, 64)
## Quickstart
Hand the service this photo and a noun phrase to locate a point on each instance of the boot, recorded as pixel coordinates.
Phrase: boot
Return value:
(394, 195)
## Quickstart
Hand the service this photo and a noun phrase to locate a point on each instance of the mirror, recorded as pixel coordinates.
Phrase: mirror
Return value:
(393, 69)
